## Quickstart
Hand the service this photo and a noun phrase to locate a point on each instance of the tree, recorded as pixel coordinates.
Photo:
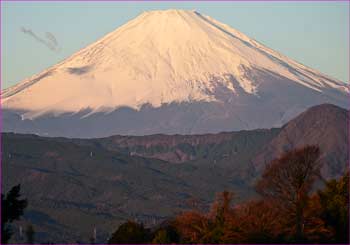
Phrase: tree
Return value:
(334, 200)
(130, 232)
(192, 226)
(221, 210)
(287, 182)
(222, 216)
(165, 233)
(30, 234)
(259, 222)
(195, 227)
(12, 209)
(161, 237)
(315, 229)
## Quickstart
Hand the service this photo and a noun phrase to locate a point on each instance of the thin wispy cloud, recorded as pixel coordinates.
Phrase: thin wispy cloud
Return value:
(50, 41)
(51, 38)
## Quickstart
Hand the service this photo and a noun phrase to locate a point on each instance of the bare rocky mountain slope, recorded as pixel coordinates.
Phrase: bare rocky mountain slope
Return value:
(74, 185)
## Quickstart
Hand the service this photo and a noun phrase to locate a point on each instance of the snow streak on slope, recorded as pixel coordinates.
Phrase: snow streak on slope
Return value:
(159, 58)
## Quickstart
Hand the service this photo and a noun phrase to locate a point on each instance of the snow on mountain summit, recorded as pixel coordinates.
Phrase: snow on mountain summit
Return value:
(159, 57)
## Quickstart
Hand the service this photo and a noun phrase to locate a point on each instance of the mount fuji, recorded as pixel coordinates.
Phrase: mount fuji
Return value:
(173, 72)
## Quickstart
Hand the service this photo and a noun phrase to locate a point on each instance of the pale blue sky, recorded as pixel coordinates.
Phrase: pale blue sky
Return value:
(313, 33)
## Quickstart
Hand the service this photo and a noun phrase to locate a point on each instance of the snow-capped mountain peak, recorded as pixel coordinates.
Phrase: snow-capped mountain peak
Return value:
(164, 57)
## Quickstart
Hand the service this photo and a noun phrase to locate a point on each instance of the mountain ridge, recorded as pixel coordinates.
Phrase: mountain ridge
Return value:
(191, 72)
(107, 181)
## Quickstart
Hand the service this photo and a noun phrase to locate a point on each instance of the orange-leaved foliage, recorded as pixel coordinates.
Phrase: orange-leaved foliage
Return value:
(288, 209)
